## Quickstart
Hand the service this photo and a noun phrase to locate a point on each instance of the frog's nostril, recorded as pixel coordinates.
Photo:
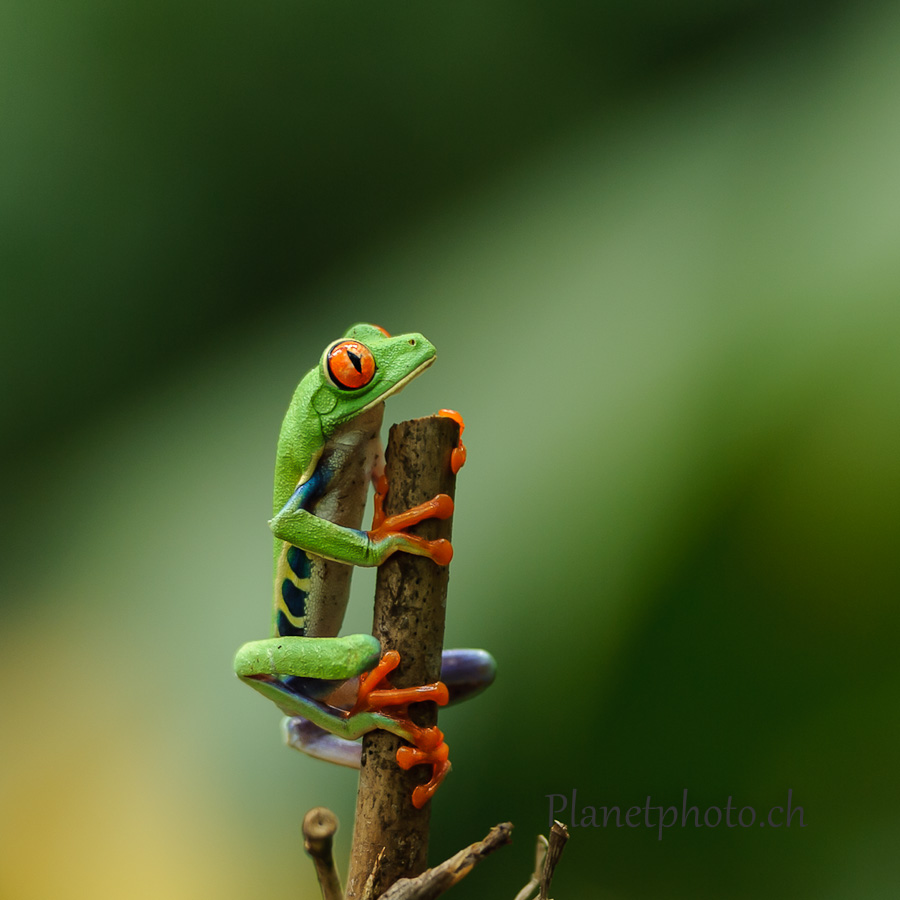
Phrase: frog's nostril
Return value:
(412, 342)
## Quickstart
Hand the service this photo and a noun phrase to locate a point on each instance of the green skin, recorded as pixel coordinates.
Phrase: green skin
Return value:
(328, 451)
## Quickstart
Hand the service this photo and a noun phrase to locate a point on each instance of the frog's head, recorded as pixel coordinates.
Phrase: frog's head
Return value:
(365, 367)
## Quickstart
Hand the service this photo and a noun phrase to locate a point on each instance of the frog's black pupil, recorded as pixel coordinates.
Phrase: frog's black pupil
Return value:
(357, 362)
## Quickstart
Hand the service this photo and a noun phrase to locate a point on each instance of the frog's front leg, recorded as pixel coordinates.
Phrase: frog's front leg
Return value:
(302, 528)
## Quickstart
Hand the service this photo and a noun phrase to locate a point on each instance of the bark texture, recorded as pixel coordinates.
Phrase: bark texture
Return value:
(390, 838)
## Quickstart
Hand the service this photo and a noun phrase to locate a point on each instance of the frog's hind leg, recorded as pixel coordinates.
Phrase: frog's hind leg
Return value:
(300, 675)
(309, 738)
(467, 673)
(312, 739)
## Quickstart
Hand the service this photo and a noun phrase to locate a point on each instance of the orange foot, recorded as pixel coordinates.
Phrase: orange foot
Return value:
(428, 743)
(458, 454)
(438, 507)
(430, 749)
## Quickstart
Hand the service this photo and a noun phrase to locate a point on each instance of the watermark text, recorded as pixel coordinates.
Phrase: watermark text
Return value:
(566, 808)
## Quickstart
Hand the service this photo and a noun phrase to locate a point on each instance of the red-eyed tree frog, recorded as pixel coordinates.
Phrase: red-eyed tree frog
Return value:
(329, 451)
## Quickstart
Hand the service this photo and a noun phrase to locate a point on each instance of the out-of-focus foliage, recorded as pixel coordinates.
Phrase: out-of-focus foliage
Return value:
(169, 169)
(657, 252)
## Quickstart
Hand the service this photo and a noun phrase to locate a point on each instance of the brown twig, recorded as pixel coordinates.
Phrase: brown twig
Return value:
(319, 826)
(540, 854)
(433, 882)
(374, 875)
(410, 603)
(559, 834)
(546, 859)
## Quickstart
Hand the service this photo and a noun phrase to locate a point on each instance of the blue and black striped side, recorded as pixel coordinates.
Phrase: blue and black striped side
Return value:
(293, 592)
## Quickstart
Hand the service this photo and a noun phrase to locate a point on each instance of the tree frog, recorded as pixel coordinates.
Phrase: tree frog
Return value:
(329, 451)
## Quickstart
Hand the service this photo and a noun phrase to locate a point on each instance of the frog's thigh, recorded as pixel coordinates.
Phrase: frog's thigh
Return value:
(331, 659)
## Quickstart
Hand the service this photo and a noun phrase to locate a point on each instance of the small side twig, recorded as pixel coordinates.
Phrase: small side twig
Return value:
(559, 834)
(433, 882)
(547, 857)
(369, 891)
(319, 826)
(540, 854)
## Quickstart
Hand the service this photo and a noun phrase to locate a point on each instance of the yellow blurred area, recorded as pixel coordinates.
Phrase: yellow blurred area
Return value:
(90, 807)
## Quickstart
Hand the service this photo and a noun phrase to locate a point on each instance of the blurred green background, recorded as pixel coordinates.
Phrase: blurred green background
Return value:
(658, 249)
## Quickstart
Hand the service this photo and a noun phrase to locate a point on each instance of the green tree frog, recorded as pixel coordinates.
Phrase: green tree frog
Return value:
(329, 451)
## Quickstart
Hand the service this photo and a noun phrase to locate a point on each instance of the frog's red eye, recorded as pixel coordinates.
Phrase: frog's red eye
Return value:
(350, 365)
(382, 330)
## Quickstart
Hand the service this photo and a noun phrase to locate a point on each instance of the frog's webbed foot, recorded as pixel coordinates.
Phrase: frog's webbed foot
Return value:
(389, 532)
(431, 750)
(458, 454)
(370, 698)
(428, 743)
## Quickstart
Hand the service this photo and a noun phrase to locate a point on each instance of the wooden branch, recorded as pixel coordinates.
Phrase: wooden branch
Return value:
(433, 882)
(319, 826)
(410, 602)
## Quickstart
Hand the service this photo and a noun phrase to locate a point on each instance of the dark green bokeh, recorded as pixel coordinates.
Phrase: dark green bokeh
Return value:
(171, 169)
(657, 252)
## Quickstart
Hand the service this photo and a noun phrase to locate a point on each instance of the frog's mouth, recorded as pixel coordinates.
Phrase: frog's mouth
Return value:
(402, 383)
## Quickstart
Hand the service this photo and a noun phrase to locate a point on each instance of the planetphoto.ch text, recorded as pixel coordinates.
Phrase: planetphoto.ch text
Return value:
(566, 808)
